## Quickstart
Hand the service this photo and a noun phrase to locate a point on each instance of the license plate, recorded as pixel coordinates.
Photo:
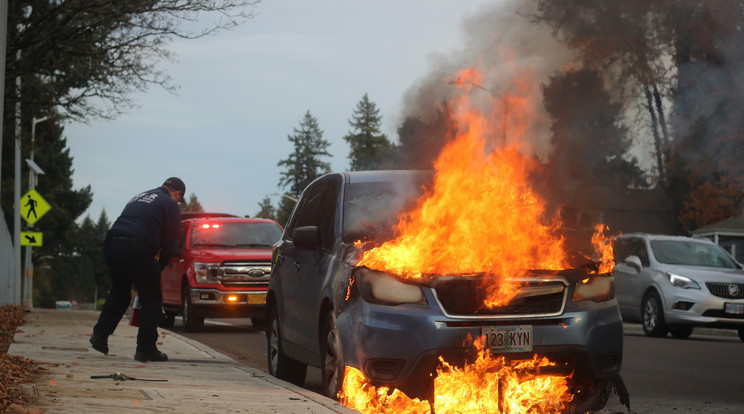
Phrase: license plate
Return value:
(735, 308)
(501, 339)
(256, 299)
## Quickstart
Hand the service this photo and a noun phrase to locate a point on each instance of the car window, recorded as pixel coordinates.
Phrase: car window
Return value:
(319, 209)
(235, 234)
(182, 237)
(691, 253)
(630, 246)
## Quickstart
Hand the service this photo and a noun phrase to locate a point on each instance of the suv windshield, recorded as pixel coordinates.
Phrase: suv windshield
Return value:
(688, 253)
(235, 234)
(371, 209)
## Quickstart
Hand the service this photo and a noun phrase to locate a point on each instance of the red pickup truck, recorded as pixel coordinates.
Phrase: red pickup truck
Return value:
(222, 269)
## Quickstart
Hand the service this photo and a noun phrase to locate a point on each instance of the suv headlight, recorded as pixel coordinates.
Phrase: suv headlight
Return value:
(382, 288)
(683, 282)
(203, 272)
(595, 288)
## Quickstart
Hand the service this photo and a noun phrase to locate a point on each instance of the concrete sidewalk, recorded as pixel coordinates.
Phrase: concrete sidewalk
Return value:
(199, 379)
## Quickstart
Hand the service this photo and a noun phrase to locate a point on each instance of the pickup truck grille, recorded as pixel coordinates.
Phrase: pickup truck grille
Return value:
(244, 274)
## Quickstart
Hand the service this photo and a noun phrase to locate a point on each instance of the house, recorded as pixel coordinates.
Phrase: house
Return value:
(728, 233)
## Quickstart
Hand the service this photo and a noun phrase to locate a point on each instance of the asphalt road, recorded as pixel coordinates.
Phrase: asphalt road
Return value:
(702, 374)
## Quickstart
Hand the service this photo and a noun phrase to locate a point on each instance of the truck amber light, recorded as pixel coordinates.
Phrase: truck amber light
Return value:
(232, 298)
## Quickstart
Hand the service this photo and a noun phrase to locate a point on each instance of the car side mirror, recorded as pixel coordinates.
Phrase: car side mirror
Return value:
(306, 237)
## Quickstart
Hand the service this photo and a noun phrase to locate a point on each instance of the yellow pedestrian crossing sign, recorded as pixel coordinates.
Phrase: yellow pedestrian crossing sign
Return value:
(33, 206)
(31, 238)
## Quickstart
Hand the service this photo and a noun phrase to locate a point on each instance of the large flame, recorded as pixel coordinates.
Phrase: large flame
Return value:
(480, 214)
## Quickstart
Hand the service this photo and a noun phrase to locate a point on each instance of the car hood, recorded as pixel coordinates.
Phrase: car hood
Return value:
(232, 255)
(705, 274)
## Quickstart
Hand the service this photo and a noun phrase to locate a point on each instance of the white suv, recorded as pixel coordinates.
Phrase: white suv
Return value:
(674, 283)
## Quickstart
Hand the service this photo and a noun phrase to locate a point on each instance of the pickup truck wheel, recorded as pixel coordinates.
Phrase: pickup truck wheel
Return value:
(258, 323)
(191, 321)
(280, 365)
(331, 363)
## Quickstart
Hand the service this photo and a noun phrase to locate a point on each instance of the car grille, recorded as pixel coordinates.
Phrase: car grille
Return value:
(464, 297)
(245, 274)
(726, 289)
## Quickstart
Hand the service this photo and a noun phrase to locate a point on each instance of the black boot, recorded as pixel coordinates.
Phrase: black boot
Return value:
(144, 356)
(99, 343)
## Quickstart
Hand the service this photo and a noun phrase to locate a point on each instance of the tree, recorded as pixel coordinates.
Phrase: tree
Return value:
(86, 57)
(305, 162)
(192, 205)
(370, 149)
(266, 209)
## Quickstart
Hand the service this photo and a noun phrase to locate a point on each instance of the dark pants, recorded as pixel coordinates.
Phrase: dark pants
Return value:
(132, 264)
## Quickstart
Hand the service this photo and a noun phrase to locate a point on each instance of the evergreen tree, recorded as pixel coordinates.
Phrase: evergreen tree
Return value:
(305, 162)
(266, 209)
(370, 148)
(192, 206)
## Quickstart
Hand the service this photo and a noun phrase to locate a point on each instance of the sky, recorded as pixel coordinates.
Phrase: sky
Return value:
(242, 92)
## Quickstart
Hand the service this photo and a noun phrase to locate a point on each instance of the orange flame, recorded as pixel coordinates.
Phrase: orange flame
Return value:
(603, 247)
(480, 214)
(489, 385)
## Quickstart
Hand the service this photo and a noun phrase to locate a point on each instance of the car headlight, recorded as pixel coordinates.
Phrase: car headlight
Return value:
(382, 288)
(597, 288)
(203, 272)
(683, 282)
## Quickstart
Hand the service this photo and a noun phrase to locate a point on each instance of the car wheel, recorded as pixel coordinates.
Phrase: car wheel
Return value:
(681, 332)
(280, 365)
(167, 320)
(741, 334)
(331, 363)
(191, 321)
(652, 316)
(258, 323)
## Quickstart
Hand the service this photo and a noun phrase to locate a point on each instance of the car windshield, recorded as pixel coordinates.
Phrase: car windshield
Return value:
(690, 253)
(371, 209)
(213, 234)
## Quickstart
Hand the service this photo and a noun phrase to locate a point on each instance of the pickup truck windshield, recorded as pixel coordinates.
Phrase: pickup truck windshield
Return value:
(235, 235)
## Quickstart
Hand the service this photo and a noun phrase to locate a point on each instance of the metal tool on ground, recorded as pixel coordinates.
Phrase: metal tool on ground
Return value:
(118, 376)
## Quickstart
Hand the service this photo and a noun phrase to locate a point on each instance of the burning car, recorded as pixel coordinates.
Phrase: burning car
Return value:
(358, 290)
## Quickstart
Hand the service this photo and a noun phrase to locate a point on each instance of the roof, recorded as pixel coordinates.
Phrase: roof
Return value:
(731, 225)
(186, 215)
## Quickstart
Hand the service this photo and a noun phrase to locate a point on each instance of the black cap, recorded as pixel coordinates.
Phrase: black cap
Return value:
(176, 184)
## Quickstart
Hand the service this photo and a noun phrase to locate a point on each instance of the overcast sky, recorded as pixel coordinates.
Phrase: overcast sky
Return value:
(242, 92)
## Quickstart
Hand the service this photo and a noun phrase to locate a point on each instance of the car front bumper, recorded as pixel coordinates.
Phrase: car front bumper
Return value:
(213, 303)
(699, 307)
(393, 345)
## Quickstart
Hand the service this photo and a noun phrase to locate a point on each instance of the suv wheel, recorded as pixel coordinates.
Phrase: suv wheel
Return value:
(331, 363)
(652, 316)
(280, 365)
(191, 321)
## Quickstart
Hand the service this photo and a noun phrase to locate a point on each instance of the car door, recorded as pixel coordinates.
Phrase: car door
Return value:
(170, 278)
(302, 271)
(629, 283)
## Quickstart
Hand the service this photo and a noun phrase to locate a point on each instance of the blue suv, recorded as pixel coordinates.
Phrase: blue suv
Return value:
(323, 310)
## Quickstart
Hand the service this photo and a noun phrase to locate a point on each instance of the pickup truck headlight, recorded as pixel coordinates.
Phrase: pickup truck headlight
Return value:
(597, 288)
(382, 288)
(683, 282)
(205, 272)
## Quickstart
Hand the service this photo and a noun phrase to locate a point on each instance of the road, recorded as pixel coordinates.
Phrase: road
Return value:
(702, 374)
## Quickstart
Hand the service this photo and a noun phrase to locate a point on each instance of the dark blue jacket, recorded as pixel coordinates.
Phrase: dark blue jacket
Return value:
(153, 218)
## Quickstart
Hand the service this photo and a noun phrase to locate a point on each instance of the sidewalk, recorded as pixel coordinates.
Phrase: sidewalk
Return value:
(199, 379)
